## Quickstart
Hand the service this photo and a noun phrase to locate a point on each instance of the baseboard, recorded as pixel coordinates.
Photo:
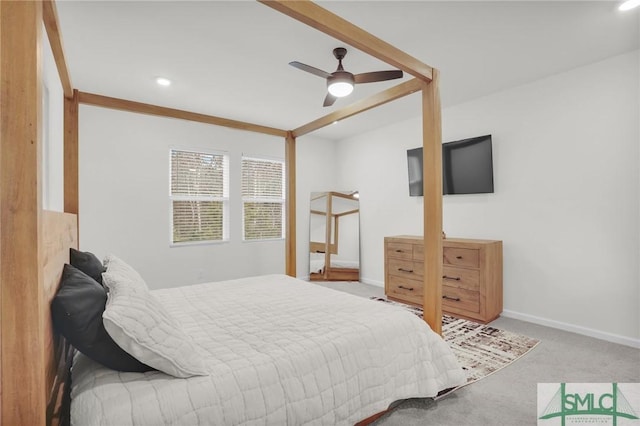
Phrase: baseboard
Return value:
(372, 282)
(609, 337)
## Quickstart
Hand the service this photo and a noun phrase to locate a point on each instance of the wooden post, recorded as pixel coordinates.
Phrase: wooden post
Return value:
(22, 358)
(71, 196)
(290, 233)
(327, 234)
(432, 175)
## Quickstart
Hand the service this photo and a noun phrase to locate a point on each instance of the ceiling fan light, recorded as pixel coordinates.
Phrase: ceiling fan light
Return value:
(340, 84)
(629, 4)
(340, 89)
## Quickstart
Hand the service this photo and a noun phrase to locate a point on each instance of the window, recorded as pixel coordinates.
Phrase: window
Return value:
(263, 198)
(199, 196)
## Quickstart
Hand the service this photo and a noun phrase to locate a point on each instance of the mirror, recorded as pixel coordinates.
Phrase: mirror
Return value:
(334, 236)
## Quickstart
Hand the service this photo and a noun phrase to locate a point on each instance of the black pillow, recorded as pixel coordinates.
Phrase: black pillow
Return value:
(87, 262)
(77, 310)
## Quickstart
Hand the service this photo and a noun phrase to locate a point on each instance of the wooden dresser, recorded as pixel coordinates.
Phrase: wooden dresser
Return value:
(472, 275)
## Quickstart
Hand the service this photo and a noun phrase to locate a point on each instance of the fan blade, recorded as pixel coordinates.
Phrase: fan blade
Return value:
(329, 100)
(371, 77)
(309, 68)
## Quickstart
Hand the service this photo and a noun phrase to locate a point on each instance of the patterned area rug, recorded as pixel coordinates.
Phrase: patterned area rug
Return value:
(480, 349)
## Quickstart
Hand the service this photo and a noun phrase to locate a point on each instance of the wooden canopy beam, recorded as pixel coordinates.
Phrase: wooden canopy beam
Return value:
(333, 194)
(391, 94)
(331, 24)
(71, 155)
(51, 24)
(347, 213)
(142, 108)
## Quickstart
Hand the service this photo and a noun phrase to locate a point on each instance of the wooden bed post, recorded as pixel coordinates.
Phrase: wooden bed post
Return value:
(328, 225)
(432, 171)
(71, 194)
(290, 234)
(22, 351)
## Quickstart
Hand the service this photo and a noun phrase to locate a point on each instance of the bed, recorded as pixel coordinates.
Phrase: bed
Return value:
(291, 353)
(35, 242)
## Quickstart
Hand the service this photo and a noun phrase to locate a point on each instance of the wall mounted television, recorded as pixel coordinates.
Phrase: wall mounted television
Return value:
(467, 167)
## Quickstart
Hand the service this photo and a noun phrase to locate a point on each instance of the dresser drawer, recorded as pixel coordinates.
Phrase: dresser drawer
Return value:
(406, 268)
(468, 279)
(459, 299)
(466, 258)
(418, 252)
(404, 286)
(471, 275)
(400, 251)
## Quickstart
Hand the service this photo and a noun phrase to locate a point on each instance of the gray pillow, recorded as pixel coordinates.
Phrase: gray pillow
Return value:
(86, 262)
(76, 311)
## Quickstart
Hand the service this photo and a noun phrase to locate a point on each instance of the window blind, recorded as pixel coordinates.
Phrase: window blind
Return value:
(199, 196)
(263, 198)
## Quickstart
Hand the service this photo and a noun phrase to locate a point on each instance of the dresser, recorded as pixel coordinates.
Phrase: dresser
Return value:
(471, 275)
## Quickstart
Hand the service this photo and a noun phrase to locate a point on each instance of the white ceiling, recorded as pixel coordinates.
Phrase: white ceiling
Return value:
(230, 59)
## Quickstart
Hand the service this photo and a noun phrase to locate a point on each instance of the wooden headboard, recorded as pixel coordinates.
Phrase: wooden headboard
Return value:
(59, 233)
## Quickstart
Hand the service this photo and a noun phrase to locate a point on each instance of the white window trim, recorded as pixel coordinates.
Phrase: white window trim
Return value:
(225, 200)
(281, 200)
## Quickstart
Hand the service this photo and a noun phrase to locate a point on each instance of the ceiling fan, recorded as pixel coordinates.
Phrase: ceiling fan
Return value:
(340, 82)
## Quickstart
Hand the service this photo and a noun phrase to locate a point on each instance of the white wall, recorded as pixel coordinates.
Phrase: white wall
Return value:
(52, 132)
(124, 196)
(566, 201)
(316, 172)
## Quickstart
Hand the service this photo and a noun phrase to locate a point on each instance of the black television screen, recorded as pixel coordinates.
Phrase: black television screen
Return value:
(414, 160)
(467, 167)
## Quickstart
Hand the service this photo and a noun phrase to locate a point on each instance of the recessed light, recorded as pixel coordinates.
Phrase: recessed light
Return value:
(163, 81)
(629, 4)
(335, 122)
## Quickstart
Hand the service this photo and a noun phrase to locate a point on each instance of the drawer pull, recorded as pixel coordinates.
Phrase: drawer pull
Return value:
(458, 257)
(399, 251)
(405, 288)
(405, 270)
(451, 278)
(455, 299)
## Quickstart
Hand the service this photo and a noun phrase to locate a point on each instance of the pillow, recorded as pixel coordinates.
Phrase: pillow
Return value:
(139, 323)
(86, 262)
(120, 271)
(76, 311)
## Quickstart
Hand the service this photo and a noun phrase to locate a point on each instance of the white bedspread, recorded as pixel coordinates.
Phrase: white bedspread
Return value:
(280, 352)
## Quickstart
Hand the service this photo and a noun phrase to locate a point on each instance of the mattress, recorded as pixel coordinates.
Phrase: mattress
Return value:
(279, 351)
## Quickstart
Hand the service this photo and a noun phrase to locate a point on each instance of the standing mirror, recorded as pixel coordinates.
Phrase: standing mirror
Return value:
(334, 236)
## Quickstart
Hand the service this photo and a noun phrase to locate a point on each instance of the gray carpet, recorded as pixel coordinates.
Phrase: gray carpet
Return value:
(508, 397)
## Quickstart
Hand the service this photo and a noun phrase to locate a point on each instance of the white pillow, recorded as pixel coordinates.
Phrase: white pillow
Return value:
(118, 269)
(141, 326)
